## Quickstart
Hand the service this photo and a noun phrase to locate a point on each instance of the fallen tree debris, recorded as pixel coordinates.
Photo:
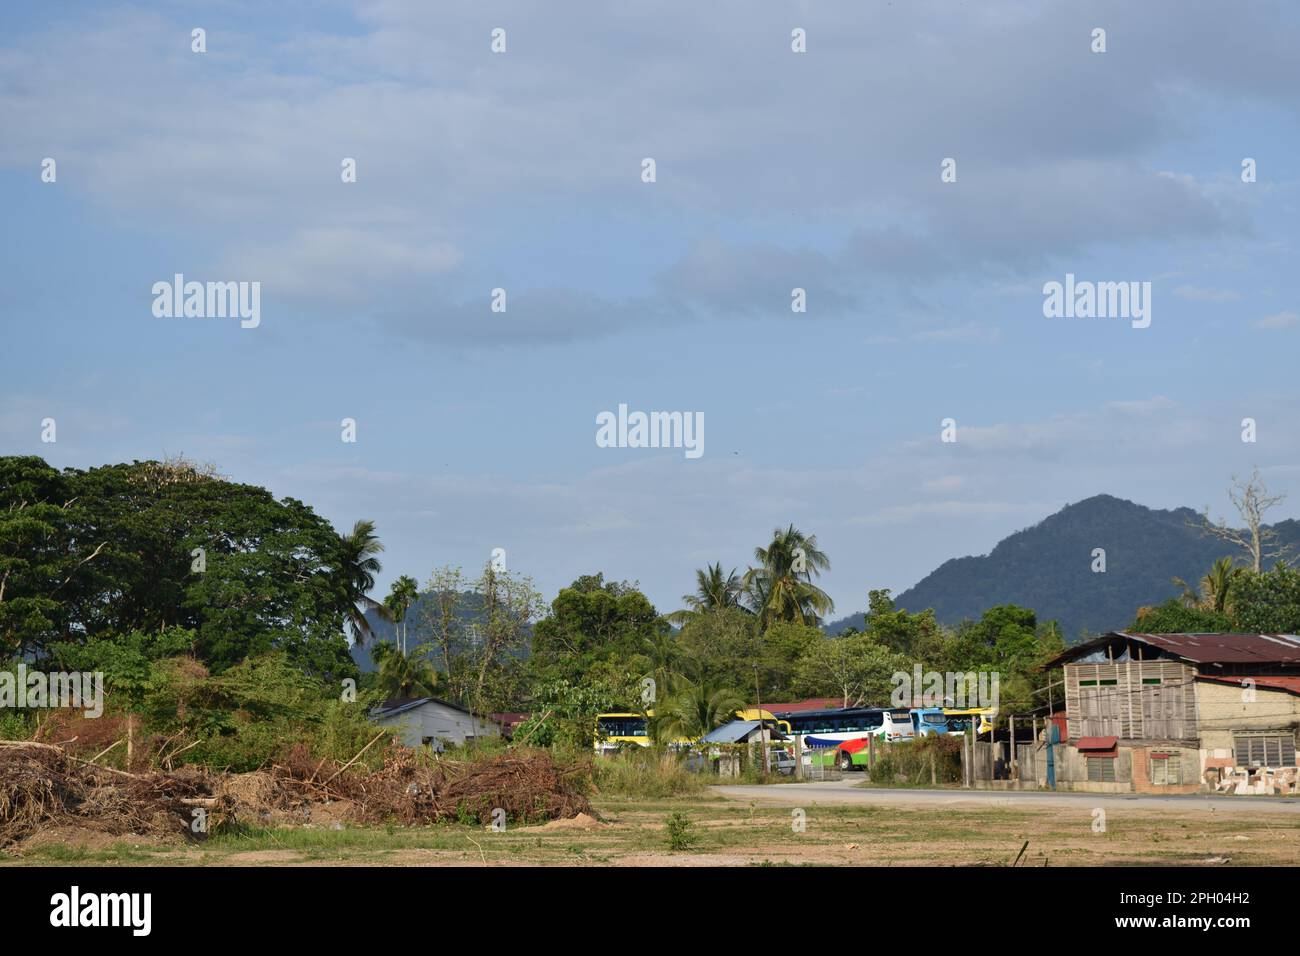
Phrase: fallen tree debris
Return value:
(43, 786)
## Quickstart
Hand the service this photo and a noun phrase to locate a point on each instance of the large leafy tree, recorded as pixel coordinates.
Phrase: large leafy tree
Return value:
(37, 563)
(595, 627)
(151, 545)
(1177, 617)
(1268, 603)
(854, 668)
(781, 587)
(913, 634)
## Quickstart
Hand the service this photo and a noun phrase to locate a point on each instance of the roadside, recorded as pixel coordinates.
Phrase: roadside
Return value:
(849, 790)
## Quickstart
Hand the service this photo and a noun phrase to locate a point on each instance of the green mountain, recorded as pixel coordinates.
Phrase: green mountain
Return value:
(1049, 567)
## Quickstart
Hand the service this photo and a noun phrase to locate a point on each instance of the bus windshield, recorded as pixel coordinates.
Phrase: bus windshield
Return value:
(621, 725)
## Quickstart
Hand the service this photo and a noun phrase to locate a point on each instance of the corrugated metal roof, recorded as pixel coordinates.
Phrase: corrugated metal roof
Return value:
(1289, 684)
(731, 733)
(1227, 648)
(736, 732)
(1201, 648)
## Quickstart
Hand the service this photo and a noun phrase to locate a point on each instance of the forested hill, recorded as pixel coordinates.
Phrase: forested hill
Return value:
(1049, 567)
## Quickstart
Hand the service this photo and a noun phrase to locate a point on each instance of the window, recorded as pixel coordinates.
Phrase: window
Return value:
(1166, 770)
(1260, 750)
(1101, 769)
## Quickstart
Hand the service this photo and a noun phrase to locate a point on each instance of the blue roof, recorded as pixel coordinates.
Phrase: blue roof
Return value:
(736, 732)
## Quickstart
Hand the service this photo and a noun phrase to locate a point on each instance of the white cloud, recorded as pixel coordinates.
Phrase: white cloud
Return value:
(1279, 320)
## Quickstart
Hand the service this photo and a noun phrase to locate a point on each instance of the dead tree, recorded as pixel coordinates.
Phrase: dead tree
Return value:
(1252, 501)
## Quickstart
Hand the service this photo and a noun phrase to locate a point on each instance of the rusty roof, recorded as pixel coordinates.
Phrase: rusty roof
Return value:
(1264, 682)
(1202, 648)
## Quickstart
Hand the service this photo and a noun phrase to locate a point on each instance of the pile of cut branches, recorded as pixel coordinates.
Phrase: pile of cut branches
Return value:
(41, 786)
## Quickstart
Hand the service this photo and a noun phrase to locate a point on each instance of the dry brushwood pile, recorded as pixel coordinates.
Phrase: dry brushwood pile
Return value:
(42, 786)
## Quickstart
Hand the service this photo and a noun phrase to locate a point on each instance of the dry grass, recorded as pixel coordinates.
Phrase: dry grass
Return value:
(730, 833)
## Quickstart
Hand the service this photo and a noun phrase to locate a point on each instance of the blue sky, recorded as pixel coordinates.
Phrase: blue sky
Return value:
(775, 170)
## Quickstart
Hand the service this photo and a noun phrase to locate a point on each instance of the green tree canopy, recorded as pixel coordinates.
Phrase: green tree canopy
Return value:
(153, 545)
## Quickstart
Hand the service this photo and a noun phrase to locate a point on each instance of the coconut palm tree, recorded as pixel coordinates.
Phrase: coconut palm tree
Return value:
(780, 588)
(665, 656)
(714, 591)
(1215, 587)
(358, 567)
(403, 593)
(403, 676)
(695, 709)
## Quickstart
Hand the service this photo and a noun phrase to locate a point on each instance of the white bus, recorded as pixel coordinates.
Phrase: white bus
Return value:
(830, 728)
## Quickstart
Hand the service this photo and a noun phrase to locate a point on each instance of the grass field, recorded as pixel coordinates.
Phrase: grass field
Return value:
(727, 832)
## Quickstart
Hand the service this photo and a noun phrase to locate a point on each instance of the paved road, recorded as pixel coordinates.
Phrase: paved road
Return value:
(846, 792)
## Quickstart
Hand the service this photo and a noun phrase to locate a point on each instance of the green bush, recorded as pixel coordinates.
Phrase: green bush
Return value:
(911, 760)
(680, 830)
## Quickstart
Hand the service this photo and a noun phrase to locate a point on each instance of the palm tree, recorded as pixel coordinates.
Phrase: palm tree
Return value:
(358, 566)
(714, 591)
(665, 656)
(1215, 587)
(403, 676)
(781, 588)
(403, 593)
(696, 709)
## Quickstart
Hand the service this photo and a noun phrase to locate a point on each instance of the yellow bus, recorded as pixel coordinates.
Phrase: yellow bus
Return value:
(614, 730)
(754, 713)
(960, 719)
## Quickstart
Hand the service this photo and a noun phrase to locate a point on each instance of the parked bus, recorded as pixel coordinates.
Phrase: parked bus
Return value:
(960, 719)
(615, 730)
(830, 728)
(753, 713)
(929, 721)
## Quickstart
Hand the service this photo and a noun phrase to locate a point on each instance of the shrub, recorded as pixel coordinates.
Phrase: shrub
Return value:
(647, 774)
(680, 829)
(912, 761)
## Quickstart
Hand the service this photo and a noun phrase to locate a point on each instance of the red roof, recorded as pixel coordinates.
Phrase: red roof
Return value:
(1289, 684)
(1097, 743)
(813, 703)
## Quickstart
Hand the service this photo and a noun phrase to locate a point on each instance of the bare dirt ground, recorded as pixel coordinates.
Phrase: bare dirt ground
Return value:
(806, 824)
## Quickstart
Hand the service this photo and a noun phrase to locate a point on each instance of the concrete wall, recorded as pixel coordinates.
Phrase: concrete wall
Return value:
(1225, 711)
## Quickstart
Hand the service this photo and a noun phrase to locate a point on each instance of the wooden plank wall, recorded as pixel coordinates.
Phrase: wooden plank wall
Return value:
(1130, 709)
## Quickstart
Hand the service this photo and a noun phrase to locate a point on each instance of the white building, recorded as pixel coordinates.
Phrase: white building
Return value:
(429, 722)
